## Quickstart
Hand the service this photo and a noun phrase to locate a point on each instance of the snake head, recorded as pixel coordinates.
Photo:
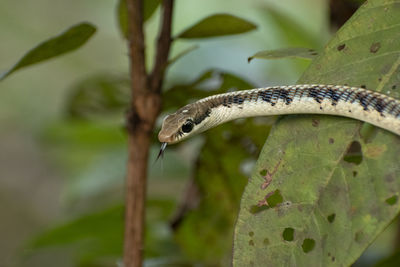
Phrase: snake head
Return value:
(180, 125)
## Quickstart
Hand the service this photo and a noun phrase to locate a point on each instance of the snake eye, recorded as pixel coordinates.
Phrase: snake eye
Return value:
(187, 126)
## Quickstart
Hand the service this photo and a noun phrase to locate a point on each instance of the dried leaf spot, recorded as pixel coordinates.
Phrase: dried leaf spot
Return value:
(374, 151)
(331, 140)
(341, 47)
(251, 243)
(288, 234)
(266, 242)
(251, 233)
(308, 245)
(331, 217)
(315, 122)
(354, 153)
(274, 199)
(254, 209)
(375, 47)
(392, 200)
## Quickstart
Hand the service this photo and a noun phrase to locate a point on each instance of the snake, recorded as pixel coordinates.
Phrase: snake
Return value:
(354, 102)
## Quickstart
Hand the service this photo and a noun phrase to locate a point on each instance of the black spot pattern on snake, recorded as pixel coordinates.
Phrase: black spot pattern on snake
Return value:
(315, 93)
(266, 95)
(334, 96)
(362, 99)
(284, 94)
(237, 99)
(197, 120)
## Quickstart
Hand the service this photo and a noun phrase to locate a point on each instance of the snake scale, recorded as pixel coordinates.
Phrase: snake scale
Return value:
(357, 103)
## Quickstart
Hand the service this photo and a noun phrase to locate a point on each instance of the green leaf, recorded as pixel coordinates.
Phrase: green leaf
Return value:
(122, 16)
(335, 207)
(99, 96)
(293, 52)
(149, 7)
(67, 41)
(217, 25)
(97, 235)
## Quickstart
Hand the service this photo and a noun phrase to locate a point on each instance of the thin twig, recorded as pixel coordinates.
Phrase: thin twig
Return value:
(163, 47)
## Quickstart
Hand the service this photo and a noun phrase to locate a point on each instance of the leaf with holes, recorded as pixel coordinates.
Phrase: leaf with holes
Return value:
(217, 25)
(292, 52)
(339, 187)
(67, 41)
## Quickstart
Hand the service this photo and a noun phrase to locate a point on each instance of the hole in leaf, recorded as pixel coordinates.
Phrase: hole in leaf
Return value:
(251, 233)
(331, 217)
(315, 122)
(263, 172)
(331, 140)
(394, 87)
(375, 47)
(359, 236)
(308, 245)
(256, 209)
(275, 198)
(266, 242)
(251, 243)
(341, 47)
(288, 234)
(355, 173)
(392, 200)
(353, 153)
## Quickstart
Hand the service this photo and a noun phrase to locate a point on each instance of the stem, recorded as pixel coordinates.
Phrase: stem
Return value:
(144, 110)
(163, 47)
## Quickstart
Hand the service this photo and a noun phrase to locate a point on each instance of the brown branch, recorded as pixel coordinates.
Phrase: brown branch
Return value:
(163, 47)
(138, 142)
(144, 110)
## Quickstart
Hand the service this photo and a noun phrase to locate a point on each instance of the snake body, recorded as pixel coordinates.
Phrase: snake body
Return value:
(358, 103)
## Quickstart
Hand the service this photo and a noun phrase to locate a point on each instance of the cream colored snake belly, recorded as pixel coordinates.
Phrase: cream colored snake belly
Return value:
(358, 103)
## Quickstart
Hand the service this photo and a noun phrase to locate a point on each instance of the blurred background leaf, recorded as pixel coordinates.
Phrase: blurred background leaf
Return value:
(292, 52)
(99, 96)
(67, 41)
(217, 25)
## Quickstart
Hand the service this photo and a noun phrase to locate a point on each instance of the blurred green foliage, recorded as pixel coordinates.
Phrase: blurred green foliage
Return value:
(88, 143)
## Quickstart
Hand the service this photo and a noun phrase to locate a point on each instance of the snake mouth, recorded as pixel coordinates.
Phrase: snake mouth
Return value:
(165, 138)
